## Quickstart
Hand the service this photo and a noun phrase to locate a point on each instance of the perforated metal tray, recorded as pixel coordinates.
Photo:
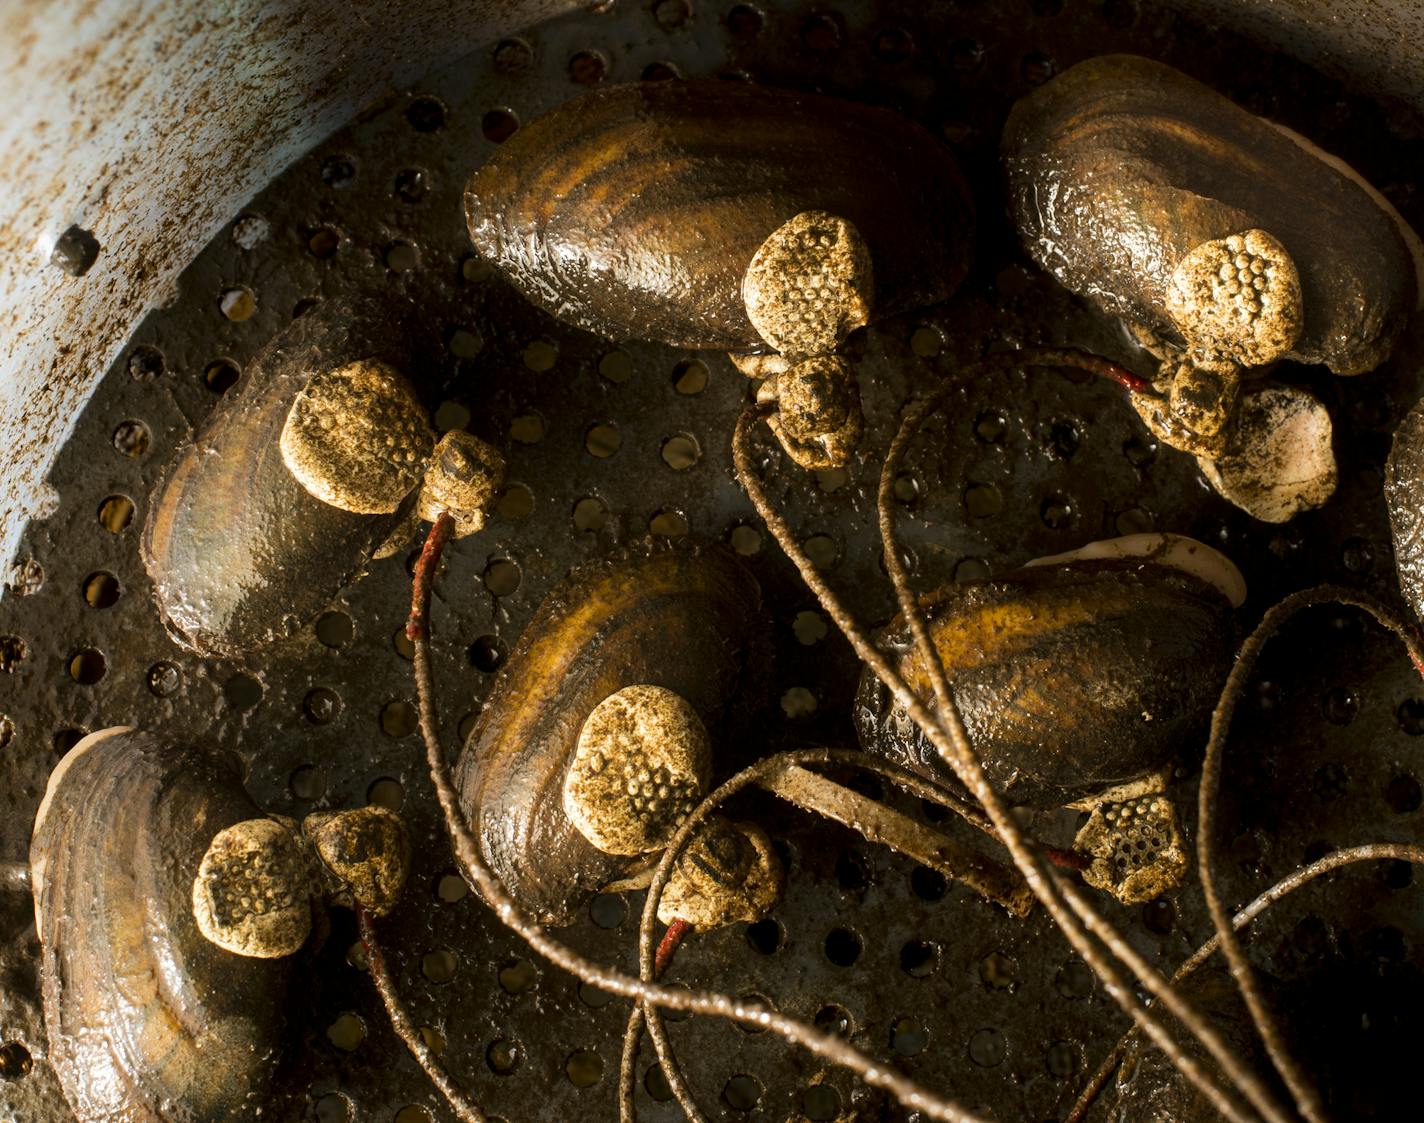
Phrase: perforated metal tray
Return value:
(996, 1011)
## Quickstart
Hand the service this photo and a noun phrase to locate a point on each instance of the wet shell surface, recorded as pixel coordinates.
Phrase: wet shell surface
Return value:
(685, 618)
(1122, 169)
(1070, 677)
(147, 1021)
(635, 211)
(240, 553)
(1404, 496)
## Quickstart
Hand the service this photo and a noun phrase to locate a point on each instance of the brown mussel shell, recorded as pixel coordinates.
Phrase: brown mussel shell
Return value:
(1121, 166)
(1070, 678)
(240, 554)
(1404, 496)
(634, 211)
(147, 1021)
(686, 617)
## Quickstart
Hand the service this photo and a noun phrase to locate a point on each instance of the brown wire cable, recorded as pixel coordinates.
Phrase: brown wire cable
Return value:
(465, 1109)
(1307, 1099)
(911, 1094)
(1380, 851)
(953, 745)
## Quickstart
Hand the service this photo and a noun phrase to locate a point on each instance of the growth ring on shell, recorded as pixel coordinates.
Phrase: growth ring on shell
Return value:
(357, 437)
(642, 763)
(809, 285)
(251, 894)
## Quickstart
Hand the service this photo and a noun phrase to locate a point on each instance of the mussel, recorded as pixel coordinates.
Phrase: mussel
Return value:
(1225, 243)
(635, 211)
(1080, 673)
(307, 469)
(598, 732)
(708, 214)
(1124, 176)
(167, 907)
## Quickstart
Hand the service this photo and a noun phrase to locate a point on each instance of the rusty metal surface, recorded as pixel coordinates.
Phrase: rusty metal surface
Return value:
(965, 998)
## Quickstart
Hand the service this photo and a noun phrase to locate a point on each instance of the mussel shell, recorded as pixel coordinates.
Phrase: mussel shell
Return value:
(685, 617)
(635, 210)
(240, 554)
(1121, 165)
(1070, 678)
(147, 1021)
(1404, 497)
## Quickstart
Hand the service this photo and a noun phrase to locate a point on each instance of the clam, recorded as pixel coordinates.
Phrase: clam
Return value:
(168, 907)
(307, 469)
(1224, 243)
(596, 737)
(636, 210)
(1086, 672)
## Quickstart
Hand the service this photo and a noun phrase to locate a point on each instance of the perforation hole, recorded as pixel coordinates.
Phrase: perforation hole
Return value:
(587, 68)
(821, 1103)
(386, 792)
(116, 513)
(655, 1083)
(238, 304)
(603, 440)
(616, 366)
(908, 1037)
(439, 966)
(590, 514)
(504, 1056)
(131, 439)
(608, 910)
(335, 629)
(843, 947)
(742, 1093)
(502, 577)
(745, 540)
(498, 125)
(584, 1068)
(398, 719)
(15, 1061)
(681, 452)
(101, 590)
(221, 375)
(668, 523)
(321, 706)
(347, 1032)
(987, 1048)
(690, 377)
(764, 937)
(488, 653)
(88, 666)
